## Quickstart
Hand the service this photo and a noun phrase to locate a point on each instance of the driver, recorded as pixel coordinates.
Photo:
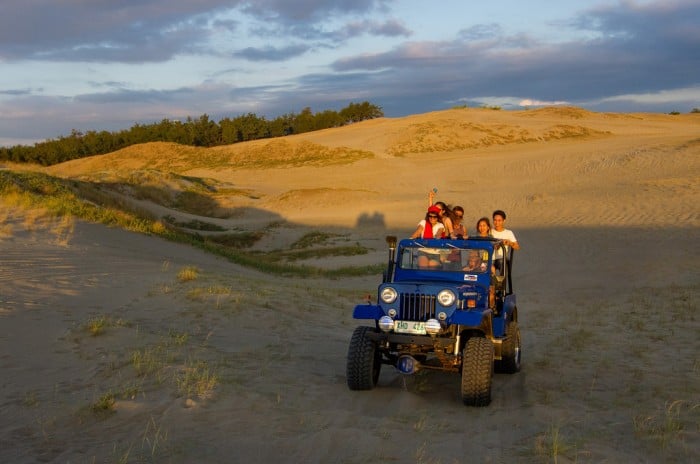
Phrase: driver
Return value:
(474, 262)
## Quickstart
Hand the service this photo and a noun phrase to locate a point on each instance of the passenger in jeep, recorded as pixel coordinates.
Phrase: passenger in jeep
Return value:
(474, 262)
(506, 235)
(446, 219)
(458, 229)
(483, 227)
(430, 227)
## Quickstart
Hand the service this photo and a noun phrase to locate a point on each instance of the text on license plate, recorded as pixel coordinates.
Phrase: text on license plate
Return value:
(412, 327)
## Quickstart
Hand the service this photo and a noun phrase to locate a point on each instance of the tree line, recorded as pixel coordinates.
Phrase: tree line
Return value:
(200, 132)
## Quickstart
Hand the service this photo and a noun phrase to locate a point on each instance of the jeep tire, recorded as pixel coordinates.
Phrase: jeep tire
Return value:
(477, 371)
(510, 350)
(364, 360)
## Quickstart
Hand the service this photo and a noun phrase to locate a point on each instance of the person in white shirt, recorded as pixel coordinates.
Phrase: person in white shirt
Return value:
(507, 236)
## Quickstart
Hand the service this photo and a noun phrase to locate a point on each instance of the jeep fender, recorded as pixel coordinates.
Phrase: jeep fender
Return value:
(474, 319)
(367, 311)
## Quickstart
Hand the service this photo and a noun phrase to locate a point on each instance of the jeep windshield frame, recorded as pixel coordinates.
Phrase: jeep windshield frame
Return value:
(445, 260)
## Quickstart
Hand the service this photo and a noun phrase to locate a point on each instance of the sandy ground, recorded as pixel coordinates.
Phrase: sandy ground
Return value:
(605, 206)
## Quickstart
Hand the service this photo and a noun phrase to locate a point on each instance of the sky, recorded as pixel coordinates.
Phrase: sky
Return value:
(108, 64)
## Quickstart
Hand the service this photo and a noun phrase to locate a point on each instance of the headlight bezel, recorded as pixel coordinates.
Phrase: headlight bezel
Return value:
(446, 297)
(388, 295)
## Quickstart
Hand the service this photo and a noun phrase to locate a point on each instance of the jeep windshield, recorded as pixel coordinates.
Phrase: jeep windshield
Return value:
(457, 259)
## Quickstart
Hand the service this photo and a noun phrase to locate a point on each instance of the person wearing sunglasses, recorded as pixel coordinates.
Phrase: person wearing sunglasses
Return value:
(458, 229)
(430, 227)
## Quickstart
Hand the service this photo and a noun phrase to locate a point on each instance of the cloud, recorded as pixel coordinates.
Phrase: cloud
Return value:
(86, 30)
(310, 11)
(389, 28)
(272, 53)
(158, 30)
(528, 102)
(18, 92)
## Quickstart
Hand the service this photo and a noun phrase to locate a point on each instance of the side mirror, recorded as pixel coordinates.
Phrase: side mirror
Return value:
(391, 241)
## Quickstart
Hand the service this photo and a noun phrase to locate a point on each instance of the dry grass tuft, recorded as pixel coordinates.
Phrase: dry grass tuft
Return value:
(188, 273)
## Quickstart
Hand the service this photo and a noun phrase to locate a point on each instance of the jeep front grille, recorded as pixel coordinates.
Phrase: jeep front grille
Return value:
(416, 307)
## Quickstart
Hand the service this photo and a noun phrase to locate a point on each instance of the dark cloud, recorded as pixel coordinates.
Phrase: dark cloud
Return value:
(310, 11)
(103, 30)
(156, 30)
(18, 92)
(322, 36)
(390, 28)
(272, 53)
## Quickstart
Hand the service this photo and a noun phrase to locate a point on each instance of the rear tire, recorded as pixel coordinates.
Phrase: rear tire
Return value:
(477, 371)
(364, 360)
(511, 350)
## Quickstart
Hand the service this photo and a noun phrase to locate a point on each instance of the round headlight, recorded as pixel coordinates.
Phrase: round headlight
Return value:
(432, 326)
(388, 295)
(386, 324)
(446, 297)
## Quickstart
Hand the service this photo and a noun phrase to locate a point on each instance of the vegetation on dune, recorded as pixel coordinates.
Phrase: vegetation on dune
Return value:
(89, 202)
(447, 135)
(199, 132)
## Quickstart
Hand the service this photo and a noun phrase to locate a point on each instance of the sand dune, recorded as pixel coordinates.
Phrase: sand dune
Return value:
(608, 281)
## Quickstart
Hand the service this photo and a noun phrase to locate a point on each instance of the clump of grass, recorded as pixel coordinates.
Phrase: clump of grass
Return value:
(154, 437)
(149, 360)
(312, 238)
(104, 405)
(178, 338)
(321, 253)
(188, 273)
(239, 240)
(195, 294)
(129, 391)
(98, 324)
(552, 444)
(194, 224)
(668, 426)
(196, 380)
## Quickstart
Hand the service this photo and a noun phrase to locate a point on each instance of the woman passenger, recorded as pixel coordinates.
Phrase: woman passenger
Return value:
(458, 229)
(445, 218)
(483, 227)
(430, 227)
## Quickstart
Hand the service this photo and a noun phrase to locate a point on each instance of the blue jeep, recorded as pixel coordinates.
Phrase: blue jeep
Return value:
(444, 304)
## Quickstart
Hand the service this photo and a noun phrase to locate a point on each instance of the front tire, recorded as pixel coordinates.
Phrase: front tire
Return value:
(364, 360)
(477, 371)
(511, 350)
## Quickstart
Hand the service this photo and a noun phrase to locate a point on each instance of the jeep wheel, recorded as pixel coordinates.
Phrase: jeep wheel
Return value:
(510, 350)
(364, 360)
(477, 371)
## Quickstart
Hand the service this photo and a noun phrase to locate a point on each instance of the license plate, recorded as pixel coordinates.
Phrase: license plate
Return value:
(411, 327)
